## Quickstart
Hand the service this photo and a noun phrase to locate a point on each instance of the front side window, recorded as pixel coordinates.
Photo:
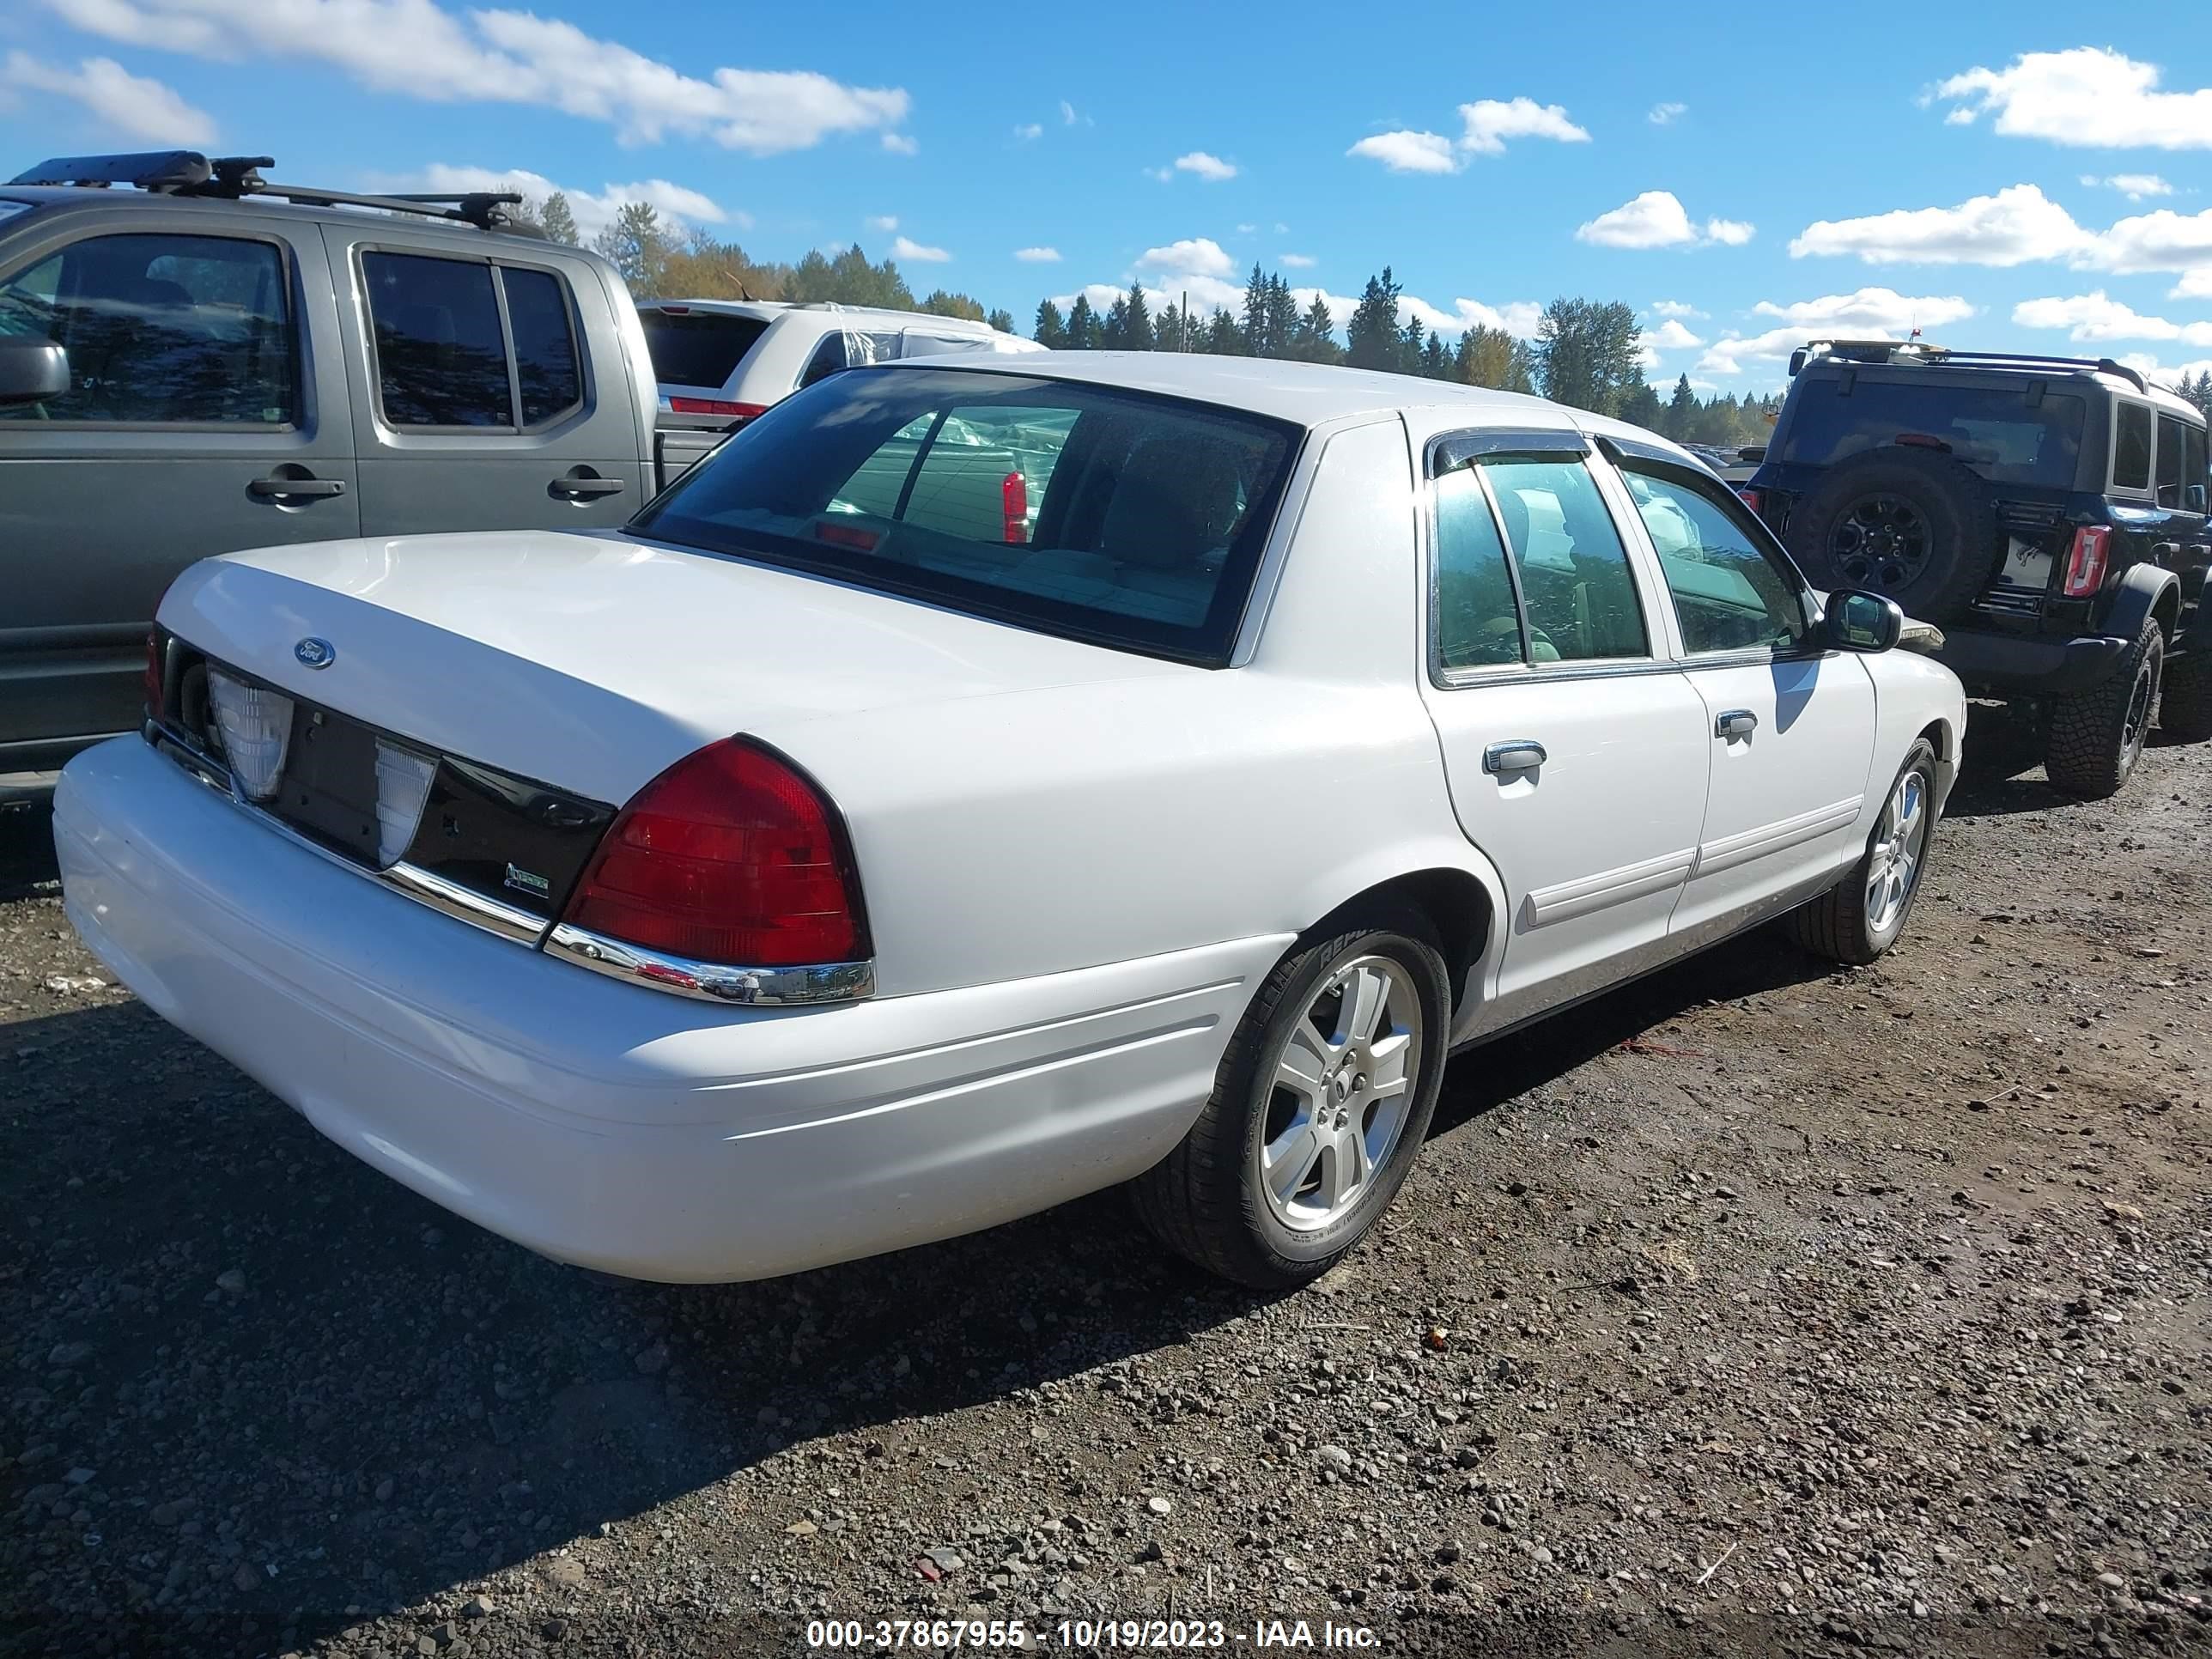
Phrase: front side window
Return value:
(1577, 589)
(1075, 509)
(2131, 444)
(2172, 457)
(170, 330)
(1729, 596)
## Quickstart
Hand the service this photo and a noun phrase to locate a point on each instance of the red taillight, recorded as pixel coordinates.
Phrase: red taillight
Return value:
(729, 856)
(1014, 500)
(715, 406)
(1753, 499)
(2084, 565)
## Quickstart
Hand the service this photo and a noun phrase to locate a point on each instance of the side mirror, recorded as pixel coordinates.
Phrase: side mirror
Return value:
(1859, 620)
(31, 371)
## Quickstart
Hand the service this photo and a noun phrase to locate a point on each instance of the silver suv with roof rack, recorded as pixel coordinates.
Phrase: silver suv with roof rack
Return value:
(2049, 513)
(193, 360)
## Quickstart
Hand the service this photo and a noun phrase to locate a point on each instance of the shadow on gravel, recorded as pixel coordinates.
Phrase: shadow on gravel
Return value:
(27, 853)
(254, 1383)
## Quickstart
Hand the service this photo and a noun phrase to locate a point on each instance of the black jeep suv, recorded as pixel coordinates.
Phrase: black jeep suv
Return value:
(2048, 513)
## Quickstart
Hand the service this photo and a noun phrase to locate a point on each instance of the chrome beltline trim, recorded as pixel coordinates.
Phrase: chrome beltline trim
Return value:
(711, 981)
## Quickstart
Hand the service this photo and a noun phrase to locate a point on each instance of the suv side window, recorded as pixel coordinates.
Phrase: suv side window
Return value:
(1578, 590)
(1729, 596)
(2131, 446)
(2194, 482)
(162, 329)
(2172, 455)
(545, 357)
(448, 354)
(828, 357)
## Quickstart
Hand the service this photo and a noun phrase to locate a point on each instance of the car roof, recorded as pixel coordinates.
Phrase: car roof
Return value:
(1309, 394)
(1985, 372)
(833, 315)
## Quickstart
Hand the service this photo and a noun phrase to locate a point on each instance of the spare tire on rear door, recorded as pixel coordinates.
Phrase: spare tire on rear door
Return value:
(1911, 523)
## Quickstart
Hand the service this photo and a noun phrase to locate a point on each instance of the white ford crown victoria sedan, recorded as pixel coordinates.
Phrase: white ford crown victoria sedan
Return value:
(979, 784)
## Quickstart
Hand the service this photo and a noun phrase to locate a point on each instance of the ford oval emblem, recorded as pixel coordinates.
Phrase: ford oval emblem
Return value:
(314, 653)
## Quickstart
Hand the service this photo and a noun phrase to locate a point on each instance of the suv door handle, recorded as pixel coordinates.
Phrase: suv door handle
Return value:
(583, 489)
(1736, 723)
(295, 489)
(1520, 755)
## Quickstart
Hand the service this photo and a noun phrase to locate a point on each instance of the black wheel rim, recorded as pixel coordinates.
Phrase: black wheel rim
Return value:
(2139, 701)
(1879, 542)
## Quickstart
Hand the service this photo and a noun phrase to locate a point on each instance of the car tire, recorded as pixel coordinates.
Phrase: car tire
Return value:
(1853, 923)
(1934, 572)
(2097, 735)
(1207, 1199)
(2185, 702)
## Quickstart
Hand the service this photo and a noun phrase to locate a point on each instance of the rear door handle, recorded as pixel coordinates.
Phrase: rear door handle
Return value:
(1520, 755)
(295, 489)
(582, 489)
(1736, 723)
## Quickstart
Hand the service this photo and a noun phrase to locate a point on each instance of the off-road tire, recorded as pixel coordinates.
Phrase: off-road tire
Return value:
(2089, 752)
(2185, 703)
(1835, 925)
(1951, 498)
(1199, 1200)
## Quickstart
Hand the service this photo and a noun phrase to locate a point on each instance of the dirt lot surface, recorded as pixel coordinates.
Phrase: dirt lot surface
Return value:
(1755, 1308)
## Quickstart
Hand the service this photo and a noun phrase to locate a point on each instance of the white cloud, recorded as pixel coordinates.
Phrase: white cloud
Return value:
(592, 211)
(2135, 187)
(1672, 336)
(1300, 261)
(905, 247)
(2087, 96)
(1029, 130)
(2160, 240)
(1212, 168)
(901, 143)
(1197, 255)
(884, 221)
(2169, 376)
(1667, 114)
(1658, 219)
(1490, 123)
(2017, 224)
(2096, 316)
(1067, 115)
(2194, 285)
(1037, 256)
(1870, 314)
(1409, 152)
(418, 49)
(121, 102)
(1676, 309)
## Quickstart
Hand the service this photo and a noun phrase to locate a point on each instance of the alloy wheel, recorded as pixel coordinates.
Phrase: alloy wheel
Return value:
(1894, 865)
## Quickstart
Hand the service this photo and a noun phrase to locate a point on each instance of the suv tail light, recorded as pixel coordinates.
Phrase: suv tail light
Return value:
(1014, 506)
(2084, 565)
(1753, 499)
(730, 856)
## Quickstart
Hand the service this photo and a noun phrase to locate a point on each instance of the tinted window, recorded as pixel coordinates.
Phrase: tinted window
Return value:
(440, 358)
(1728, 595)
(2131, 436)
(1994, 429)
(163, 329)
(828, 357)
(2171, 459)
(1142, 527)
(698, 348)
(544, 343)
(1576, 584)
(1478, 617)
(2193, 480)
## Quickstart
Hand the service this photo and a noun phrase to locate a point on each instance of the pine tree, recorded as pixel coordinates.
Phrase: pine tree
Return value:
(1681, 411)
(942, 304)
(1255, 312)
(1223, 338)
(1114, 335)
(1371, 336)
(638, 245)
(1001, 320)
(1050, 332)
(1313, 340)
(1168, 330)
(1136, 321)
(1280, 313)
(1587, 352)
(1640, 406)
(1435, 361)
(1082, 326)
(558, 223)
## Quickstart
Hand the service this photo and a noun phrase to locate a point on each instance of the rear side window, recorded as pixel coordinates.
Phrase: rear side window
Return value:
(442, 356)
(1995, 430)
(1136, 522)
(699, 348)
(1576, 589)
(2193, 480)
(2131, 444)
(1478, 613)
(169, 330)
(2173, 457)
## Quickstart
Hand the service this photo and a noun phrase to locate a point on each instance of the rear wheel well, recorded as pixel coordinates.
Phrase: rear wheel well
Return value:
(1455, 903)
(2167, 611)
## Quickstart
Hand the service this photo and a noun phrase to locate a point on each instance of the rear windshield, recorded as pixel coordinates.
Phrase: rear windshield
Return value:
(697, 348)
(1995, 430)
(1129, 520)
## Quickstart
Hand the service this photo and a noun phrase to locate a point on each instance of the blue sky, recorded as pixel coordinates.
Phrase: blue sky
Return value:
(2008, 177)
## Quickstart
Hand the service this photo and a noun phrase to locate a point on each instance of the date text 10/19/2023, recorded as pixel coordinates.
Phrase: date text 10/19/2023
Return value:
(1086, 1635)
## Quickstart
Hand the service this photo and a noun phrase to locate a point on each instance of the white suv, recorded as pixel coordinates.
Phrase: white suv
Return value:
(730, 359)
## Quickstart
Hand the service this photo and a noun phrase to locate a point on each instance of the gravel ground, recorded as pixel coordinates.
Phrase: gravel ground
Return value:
(1755, 1308)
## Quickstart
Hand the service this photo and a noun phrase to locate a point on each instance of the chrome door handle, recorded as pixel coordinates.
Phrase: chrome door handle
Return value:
(1736, 723)
(1520, 755)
